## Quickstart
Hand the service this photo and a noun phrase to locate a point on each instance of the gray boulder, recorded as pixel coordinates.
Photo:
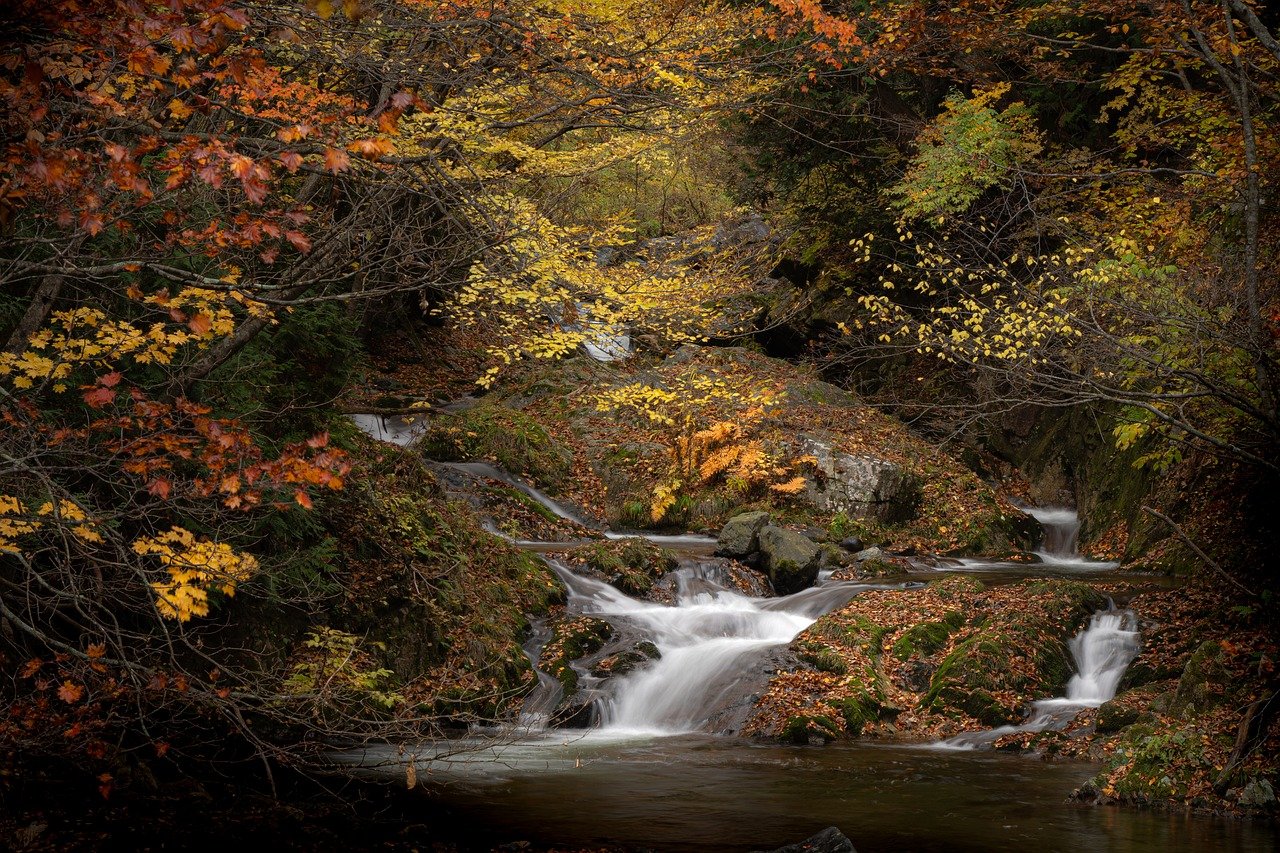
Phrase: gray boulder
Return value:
(789, 558)
(740, 534)
(861, 486)
(871, 553)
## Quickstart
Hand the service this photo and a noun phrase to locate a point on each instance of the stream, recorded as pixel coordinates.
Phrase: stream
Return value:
(660, 769)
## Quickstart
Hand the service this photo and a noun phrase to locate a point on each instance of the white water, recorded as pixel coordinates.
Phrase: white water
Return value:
(710, 640)
(1059, 549)
(395, 429)
(1101, 652)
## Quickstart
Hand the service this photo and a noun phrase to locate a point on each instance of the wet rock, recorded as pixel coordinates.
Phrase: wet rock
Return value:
(789, 558)
(577, 712)
(830, 840)
(861, 486)
(852, 544)
(871, 553)
(624, 662)
(1258, 793)
(740, 534)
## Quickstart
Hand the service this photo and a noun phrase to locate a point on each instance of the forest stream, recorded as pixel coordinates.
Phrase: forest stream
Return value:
(659, 765)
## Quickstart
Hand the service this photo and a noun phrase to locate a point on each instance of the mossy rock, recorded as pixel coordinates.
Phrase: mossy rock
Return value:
(1205, 680)
(433, 591)
(631, 565)
(922, 640)
(859, 711)
(822, 657)
(957, 587)
(514, 441)
(1153, 763)
(1120, 713)
(573, 640)
(858, 632)
(878, 567)
(804, 728)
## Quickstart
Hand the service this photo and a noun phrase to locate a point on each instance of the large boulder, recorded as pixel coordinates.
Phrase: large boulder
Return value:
(740, 534)
(860, 486)
(789, 558)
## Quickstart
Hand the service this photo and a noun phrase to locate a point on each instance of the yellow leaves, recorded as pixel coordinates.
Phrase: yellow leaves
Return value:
(791, 487)
(17, 520)
(194, 567)
(664, 497)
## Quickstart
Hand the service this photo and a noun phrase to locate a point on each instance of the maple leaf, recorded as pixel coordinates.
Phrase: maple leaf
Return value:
(303, 499)
(336, 160)
(298, 240)
(200, 324)
(70, 692)
(99, 397)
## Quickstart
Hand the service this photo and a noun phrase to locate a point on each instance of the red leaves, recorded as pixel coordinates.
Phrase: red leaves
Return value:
(291, 160)
(99, 397)
(298, 240)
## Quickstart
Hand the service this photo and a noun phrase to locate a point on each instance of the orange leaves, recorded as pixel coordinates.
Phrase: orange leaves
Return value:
(294, 133)
(371, 148)
(201, 324)
(70, 692)
(336, 160)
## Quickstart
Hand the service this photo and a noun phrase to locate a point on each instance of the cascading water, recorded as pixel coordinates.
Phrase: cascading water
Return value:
(1058, 552)
(1101, 652)
(710, 640)
(1061, 531)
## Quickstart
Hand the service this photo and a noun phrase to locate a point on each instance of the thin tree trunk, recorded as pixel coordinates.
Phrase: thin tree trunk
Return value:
(41, 303)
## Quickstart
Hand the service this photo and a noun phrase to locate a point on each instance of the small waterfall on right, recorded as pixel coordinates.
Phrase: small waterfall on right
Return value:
(1102, 652)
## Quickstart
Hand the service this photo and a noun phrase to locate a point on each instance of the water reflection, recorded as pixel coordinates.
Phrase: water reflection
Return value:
(699, 793)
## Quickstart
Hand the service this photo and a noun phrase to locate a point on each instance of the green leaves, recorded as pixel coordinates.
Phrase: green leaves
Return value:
(967, 150)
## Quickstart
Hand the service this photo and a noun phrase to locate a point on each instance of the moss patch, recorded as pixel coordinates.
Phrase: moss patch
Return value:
(631, 565)
(512, 439)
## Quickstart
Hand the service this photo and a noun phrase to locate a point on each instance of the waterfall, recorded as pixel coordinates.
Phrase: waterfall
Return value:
(1058, 551)
(711, 641)
(1061, 532)
(1102, 652)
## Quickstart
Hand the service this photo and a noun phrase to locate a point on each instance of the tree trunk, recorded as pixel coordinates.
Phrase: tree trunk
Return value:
(41, 302)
